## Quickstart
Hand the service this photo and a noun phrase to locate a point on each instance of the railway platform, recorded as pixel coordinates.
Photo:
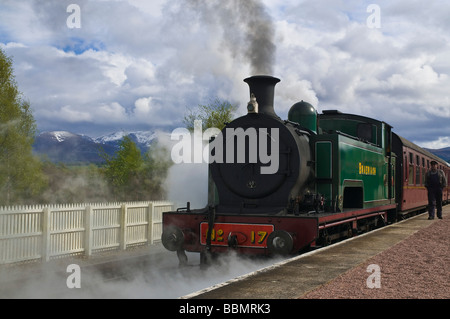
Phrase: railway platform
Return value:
(297, 277)
(153, 272)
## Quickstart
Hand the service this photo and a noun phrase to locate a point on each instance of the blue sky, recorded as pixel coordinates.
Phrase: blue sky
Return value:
(136, 65)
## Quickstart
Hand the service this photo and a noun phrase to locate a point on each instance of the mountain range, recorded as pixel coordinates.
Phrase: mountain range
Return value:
(69, 148)
(443, 153)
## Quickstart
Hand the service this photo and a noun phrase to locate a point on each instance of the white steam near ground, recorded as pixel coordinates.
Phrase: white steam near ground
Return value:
(185, 182)
(160, 278)
(188, 183)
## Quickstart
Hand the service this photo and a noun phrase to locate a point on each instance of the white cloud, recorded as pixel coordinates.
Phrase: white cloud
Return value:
(113, 112)
(69, 114)
(441, 142)
(113, 65)
(143, 107)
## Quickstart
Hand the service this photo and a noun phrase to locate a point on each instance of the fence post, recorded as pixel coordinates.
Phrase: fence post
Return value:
(88, 231)
(46, 238)
(123, 227)
(150, 224)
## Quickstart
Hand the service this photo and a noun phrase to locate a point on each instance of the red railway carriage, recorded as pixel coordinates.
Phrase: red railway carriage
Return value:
(413, 163)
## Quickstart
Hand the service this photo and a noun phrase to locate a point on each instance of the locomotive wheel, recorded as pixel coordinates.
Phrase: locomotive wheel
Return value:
(325, 238)
(349, 231)
(172, 238)
(280, 242)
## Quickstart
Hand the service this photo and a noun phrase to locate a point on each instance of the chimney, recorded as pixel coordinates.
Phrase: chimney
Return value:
(263, 89)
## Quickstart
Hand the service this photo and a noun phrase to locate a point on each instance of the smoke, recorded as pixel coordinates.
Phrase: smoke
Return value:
(247, 29)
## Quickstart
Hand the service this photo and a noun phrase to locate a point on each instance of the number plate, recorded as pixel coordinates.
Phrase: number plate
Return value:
(247, 235)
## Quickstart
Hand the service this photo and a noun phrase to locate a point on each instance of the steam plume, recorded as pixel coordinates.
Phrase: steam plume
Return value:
(247, 29)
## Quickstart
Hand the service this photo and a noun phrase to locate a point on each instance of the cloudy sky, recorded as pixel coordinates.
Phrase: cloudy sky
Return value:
(136, 64)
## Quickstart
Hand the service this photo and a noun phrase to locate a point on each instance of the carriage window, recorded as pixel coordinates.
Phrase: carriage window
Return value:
(417, 175)
(411, 175)
(411, 169)
(417, 170)
(410, 166)
(424, 171)
(405, 174)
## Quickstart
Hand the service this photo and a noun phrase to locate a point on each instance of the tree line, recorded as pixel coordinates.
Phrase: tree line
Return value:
(128, 175)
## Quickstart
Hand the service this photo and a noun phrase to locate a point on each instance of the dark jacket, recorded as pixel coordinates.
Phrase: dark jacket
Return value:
(442, 178)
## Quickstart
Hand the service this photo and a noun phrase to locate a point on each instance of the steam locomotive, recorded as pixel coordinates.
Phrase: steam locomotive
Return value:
(283, 186)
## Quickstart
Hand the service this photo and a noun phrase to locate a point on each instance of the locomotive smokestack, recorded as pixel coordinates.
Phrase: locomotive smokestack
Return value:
(263, 89)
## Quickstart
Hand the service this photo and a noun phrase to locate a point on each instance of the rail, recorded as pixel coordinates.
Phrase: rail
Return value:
(45, 232)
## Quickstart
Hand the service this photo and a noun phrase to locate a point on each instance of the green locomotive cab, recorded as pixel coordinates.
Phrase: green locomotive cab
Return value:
(354, 164)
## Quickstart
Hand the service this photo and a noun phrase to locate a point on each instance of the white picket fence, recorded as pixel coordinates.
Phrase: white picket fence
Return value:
(29, 233)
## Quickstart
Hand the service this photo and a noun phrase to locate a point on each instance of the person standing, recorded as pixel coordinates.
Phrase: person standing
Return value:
(435, 181)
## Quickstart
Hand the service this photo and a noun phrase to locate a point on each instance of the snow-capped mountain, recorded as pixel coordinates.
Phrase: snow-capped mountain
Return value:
(143, 139)
(70, 148)
(60, 136)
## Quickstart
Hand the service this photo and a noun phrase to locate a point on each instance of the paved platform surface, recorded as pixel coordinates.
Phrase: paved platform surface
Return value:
(295, 277)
